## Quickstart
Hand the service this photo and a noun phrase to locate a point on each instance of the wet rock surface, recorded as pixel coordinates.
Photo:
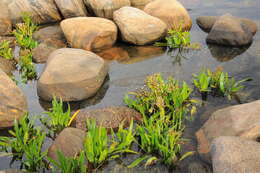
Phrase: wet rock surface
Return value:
(235, 155)
(89, 33)
(71, 8)
(105, 8)
(171, 12)
(239, 120)
(42, 11)
(137, 27)
(13, 103)
(69, 142)
(110, 117)
(72, 75)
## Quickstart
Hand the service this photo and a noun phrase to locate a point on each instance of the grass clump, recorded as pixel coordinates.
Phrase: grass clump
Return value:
(99, 147)
(27, 68)
(5, 50)
(69, 164)
(217, 83)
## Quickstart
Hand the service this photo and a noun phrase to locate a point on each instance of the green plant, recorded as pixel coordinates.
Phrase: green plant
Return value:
(218, 83)
(69, 165)
(99, 147)
(5, 50)
(24, 32)
(57, 118)
(27, 67)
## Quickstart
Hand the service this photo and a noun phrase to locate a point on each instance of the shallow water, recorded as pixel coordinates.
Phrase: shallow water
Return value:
(128, 74)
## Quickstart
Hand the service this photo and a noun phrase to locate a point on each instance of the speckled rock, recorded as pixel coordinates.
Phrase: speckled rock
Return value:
(235, 155)
(42, 11)
(44, 49)
(71, 8)
(110, 117)
(105, 8)
(137, 27)
(49, 32)
(5, 20)
(69, 142)
(171, 12)
(89, 33)
(13, 103)
(72, 75)
(240, 120)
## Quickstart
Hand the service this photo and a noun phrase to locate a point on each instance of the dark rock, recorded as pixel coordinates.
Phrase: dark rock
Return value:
(72, 75)
(196, 167)
(110, 117)
(70, 142)
(235, 155)
(71, 8)
(49, 32)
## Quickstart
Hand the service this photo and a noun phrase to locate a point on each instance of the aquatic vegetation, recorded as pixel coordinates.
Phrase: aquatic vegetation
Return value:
(69, 165)
(57, 119)
(217, 83)
(24, 32)
(27, 68)
(5, 50)
(99, 147)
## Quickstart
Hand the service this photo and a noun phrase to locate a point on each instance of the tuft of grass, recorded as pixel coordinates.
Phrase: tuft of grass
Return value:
(27, 68)
(217, 83)
(99, 147)
(5, 50)
(69, 164)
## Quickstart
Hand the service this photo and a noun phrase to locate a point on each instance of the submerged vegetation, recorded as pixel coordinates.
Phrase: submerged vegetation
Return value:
(217, 83)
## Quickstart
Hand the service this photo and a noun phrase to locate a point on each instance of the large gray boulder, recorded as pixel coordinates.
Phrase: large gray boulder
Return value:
(72, 75)
(105, 8)
(42, 11)
(240, 120)
(235, 155)
(138, 27)
(229, 31)
(89, 33)
(13, 104)
(69, 142)
(71, 8)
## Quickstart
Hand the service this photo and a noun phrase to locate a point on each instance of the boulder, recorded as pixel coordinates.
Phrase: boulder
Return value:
(109, 117)
(70, 142)
(105, 8)
(230, 32)
(72, 75)
(139, 3)
(44, 49)
(235, 155)
(42, 11)
(49, 32)
(137, 27)
(171, 12)
(8, 66)
(240, 120)
(71, 8)
(13, 103)
(89, 33)
(5, 20)
(207, 22)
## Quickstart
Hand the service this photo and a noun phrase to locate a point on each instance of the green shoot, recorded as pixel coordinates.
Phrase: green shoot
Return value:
(5, 50)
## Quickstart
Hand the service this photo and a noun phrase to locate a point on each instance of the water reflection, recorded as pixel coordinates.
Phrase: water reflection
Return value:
(224, 53)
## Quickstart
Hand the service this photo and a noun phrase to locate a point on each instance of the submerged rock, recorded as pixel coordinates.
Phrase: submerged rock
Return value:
(137, 27)
(89, 33)
(105, 8)
(13, 103)
(240, 120)
(110, 117)
(114, 53)
(235, 155)
(5, 20)
(72, 75)
(229, 31)
(42, 11)
(44, 49)
(49, 32)
(71, 8)
(70, 142)
(171, 12)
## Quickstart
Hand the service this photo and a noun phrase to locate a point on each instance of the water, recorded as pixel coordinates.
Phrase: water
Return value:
(128, 74)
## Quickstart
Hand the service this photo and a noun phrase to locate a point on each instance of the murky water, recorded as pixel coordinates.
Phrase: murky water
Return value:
(129, 70)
